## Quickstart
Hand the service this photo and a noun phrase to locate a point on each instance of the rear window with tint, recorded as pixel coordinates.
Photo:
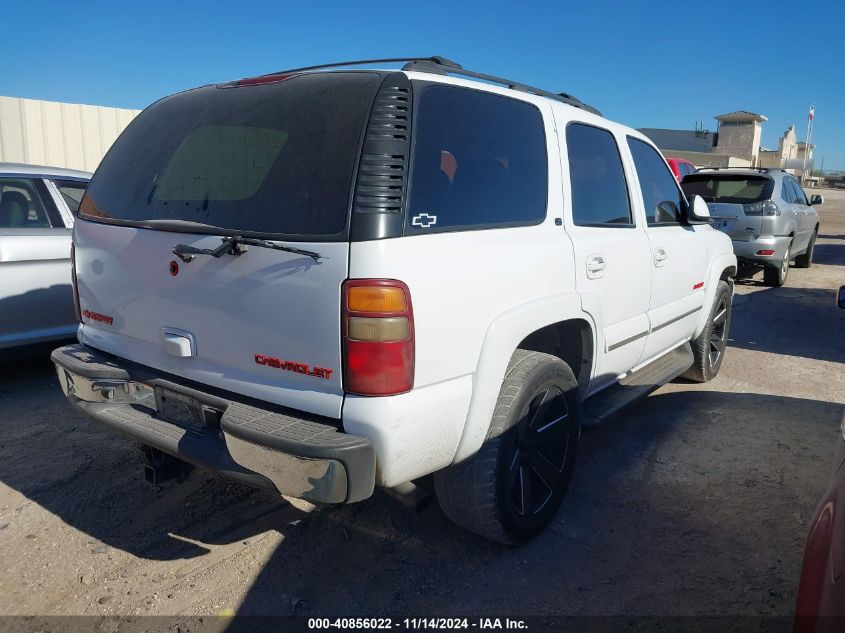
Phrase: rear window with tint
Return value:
(271, 159)
(735, 188)
(479, 160)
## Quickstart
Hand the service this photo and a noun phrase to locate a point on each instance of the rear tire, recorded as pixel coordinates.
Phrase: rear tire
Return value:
(512, 488)
(776, 277)
(708, 350)
(806, 260)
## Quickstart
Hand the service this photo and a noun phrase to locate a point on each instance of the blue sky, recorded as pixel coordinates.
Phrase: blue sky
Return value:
(645, 64)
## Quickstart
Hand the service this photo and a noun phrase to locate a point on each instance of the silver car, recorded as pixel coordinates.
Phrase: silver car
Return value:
(37, 209)
(765, 212)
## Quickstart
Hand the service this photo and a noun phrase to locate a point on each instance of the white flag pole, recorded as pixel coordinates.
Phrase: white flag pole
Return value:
(810, 139)
(807, 146)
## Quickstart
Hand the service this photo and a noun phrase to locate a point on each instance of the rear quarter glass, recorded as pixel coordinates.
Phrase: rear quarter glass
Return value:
(479, 161)
(274, 159)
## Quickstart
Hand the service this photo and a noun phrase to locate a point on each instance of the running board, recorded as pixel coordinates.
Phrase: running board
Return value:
(636, 386)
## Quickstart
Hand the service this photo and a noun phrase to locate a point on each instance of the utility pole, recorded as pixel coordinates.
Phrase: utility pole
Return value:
(810, 116)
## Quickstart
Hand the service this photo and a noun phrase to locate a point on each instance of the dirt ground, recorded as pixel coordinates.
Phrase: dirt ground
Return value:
(697, 501)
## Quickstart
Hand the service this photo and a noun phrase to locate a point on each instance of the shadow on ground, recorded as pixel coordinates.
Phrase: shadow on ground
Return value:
(693, 502)
(791, 321)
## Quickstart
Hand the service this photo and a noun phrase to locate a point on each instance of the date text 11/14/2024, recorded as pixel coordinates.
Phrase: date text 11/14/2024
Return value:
(417, 623)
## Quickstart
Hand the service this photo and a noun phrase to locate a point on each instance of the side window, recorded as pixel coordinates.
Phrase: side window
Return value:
(800, 196)
(787, 192)
(599, 190)
(662, 198)
(71, 191)
(20, 205)
(479, 160)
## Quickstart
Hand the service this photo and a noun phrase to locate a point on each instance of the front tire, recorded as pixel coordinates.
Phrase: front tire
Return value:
(512, 488)
(776, 277)
(708, 350)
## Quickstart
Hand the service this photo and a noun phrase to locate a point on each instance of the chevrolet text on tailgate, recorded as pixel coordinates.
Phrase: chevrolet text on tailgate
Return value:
(334, 278)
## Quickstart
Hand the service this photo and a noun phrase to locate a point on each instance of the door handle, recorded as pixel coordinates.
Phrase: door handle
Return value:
(595, 266)
(660, 257)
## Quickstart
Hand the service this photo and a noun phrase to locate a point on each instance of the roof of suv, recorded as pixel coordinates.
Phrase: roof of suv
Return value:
(40, 170)
(441, 66)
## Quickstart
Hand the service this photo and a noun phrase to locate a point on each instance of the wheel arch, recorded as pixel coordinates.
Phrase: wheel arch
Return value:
(722, 268)
(544, 325)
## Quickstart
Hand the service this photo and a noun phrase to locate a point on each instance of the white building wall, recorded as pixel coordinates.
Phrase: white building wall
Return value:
(69, 135)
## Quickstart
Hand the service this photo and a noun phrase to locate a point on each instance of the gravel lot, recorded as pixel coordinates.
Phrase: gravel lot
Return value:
(695, 502)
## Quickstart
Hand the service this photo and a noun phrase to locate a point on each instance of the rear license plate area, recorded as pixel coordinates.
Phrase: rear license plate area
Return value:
(722, 224)
(185, 411)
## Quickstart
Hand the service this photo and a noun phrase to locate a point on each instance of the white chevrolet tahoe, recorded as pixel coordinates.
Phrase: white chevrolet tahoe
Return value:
(324, 280)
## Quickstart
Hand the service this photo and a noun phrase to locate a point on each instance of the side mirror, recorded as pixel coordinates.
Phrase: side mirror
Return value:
(698, 211)
(816, 199)
(840, 297)
(667, 212)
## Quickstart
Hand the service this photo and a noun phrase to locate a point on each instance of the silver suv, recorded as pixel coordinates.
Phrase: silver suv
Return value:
(766, 214)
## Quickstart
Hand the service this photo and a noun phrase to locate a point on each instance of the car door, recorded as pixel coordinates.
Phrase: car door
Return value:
(612, 261)
(807, 219)
(794, 209)
(36, 301)
(678, 252)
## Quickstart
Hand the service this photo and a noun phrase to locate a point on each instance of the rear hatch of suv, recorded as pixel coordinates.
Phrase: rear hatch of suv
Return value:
(737, 202)
(271, 159)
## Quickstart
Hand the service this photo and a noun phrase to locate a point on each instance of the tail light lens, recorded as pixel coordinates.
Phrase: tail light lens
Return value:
(764, 207)
(378, 337)
(75, 288)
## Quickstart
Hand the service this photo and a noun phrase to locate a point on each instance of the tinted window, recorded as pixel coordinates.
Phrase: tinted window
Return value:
(800, 196)
(72, 192)
(787, 191)
(662, 199)
(599, 190)
(723, 187)
(479, 159)
(21, 206)
(268, 159)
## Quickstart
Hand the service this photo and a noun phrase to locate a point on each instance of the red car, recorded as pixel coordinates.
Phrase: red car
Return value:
(821, 592)
(680, 167)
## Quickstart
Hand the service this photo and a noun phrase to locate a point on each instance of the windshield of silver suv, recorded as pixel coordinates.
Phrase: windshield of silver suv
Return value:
(268, 159)
(736, 188)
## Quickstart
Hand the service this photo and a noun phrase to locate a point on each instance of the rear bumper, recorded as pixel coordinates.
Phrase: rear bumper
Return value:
(290, 452)
(748, 250)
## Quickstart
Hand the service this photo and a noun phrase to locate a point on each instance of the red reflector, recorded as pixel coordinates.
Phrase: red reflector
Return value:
(265, 79)
(766, 251)
(700, 284)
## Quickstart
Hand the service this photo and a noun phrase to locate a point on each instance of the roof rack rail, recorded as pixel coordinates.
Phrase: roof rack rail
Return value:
(760, 169)
(442, 66)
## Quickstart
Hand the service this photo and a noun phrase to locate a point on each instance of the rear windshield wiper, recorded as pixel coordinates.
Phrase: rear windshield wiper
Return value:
(237, 245)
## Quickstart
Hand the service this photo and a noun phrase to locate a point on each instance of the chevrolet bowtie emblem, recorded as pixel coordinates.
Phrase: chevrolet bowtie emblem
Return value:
(424, 220)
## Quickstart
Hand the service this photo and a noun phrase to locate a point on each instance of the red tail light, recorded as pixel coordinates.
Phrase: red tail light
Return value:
(378, 337)
(76, 308)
